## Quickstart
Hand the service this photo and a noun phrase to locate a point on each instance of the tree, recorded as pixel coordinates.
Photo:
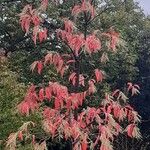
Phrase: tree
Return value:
(144, 78)
(65, 104)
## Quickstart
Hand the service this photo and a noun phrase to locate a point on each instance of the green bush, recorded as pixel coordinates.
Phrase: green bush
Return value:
(11, 93)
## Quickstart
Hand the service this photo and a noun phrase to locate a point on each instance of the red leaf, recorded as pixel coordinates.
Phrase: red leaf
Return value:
(59, 65)
(57, 103)
(36, 20)
(48, 92)
(114, 40)
(109, 109)
(130, 130)
(41, 36)
(92, 44)
(84, 7)
(48, 58)
(35, 33)
(116, 111)
(25, 18)
(24, 108)
(81, 80)
(116, 92)
(76, 10)
(25, 23)
(20, 135)
(75, 42)
(98, 75)
(134, 88)
(56, 59)
(41, 94)
(44, 4)
(40, 66)
(72, 78)
(84, 145)
(68, 25)
(62, 71)
(114, 37)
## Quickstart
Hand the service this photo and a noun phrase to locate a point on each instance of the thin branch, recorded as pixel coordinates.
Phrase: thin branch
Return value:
(75, 57)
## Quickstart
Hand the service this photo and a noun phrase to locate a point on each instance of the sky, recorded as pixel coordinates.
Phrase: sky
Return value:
(145, 5)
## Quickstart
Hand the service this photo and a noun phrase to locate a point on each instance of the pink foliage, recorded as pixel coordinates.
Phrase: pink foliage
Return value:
(86, 6)
(63, 119)
(20, 136)
(99, 75)
(29, 17)
(30, 101)
(92, 44)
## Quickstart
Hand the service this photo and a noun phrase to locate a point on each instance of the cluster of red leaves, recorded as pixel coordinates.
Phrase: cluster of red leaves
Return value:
(64, 124)
(72, 100)
(40, 34)
(91, 44)
(76, 42)
(62, 98)
(85, 6)
(51, 59)
(99, 76)
(30, 101)
(29, 17)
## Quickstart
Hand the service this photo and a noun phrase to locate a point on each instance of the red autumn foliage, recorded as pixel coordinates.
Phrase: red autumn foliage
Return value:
(30, 17)
(20, 135)
(92, 44)
(68, 117)
(99, 75)
(85, 6)
(43, 35)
